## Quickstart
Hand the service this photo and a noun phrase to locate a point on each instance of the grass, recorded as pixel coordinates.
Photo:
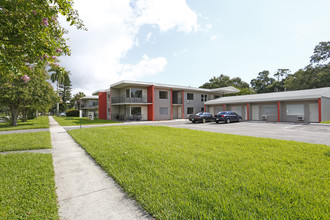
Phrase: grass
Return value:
(185, 174)
(73, 121)
(325, 122)
(25, 141)
(40, 122)
(27, 187)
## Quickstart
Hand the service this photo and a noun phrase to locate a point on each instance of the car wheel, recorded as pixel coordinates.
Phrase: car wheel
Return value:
(217, 122)
(240, 120)
(193, 121)
(227, 120)
(204, 120)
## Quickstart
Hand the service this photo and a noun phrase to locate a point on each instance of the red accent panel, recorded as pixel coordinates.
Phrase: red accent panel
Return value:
(247, 111)
(278, 111)
(171, 104)
(224, 107)
(204, 107)
(320, 111)
(102, 105)
(151, 98)
(182, 104)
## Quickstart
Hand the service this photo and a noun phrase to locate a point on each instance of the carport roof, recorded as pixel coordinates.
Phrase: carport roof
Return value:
(298, 95)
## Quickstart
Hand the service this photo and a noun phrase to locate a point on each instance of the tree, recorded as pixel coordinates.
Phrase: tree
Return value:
(65, 90)
(280, 76)
(30, 32)
(224, 81)
(23, 92)
(77, 97)
(321, 53)
(263, 83)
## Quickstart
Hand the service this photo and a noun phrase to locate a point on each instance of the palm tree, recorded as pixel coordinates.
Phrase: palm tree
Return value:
(58, 74)
(77, 98)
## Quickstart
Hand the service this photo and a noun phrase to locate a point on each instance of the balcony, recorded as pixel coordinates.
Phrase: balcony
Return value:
(123, 117)
(124, 99)
(89, 106)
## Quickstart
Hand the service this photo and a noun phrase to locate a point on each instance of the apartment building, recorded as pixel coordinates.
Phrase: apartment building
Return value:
(132, 100)
(90, 104)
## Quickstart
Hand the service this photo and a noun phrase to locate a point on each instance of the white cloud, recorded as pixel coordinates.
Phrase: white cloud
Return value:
(96, 60)
(214, 37)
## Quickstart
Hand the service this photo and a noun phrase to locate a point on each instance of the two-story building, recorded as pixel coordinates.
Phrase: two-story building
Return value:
(90, 104)
(132, 100)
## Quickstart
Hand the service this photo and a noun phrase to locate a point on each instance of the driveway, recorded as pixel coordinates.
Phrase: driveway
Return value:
(310, 133)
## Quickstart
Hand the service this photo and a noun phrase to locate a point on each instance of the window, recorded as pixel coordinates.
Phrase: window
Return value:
(295, 109)
(135, 110)
(217, 96)
(190, 96)
(127, 93)
(269, 109)
(163, 94)
(202, 97)
(136, 93)
(205, 97)
(190, 110)
(202, 109)
(163, 111)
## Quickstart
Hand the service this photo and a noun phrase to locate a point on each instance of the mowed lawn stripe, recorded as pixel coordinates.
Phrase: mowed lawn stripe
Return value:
(27, 187)
(40, 122)
(75, 121)
(25, 141)
(186, 174)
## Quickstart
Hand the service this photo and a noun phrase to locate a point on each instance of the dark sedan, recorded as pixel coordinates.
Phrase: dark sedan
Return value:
(201, 117)
(227, 116)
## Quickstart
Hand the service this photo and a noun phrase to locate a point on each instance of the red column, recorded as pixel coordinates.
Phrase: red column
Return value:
(171, 104)
(224, 107)
(247, 111)
(204, 107)
(320, 111)
(102, 105)
(182, 104)
(151, 115)
(278, 111)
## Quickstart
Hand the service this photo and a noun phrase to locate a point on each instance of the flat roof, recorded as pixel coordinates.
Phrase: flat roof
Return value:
(125, 83)
(307, 94)
(90, 97)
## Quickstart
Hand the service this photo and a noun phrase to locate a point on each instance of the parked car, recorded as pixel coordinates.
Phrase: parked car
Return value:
(227, 116)
(201, 117)
(62, 114)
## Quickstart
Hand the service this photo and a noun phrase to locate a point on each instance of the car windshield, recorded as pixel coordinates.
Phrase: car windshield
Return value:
(199, 113)
(222, 113)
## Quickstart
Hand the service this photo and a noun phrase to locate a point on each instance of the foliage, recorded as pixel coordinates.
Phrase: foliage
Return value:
(27, 187)
(72, 113)
(40, 122)
(77, 98)
(25, 141)
(21, 93)
(224, 81)
(65, 91)
(321, 53)
(74, 121)
(308, 78)
(263, 83)
(325, 122)
(30, 32)
(185, 174)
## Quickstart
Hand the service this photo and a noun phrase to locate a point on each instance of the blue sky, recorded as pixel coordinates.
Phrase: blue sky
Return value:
(188, 42)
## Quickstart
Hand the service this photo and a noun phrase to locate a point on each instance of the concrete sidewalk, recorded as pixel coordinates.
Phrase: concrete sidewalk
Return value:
(84, 190)
(24, 131)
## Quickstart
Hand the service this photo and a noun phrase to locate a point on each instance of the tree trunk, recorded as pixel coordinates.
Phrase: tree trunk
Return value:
(14, 115)
(37, 113)
(24, 114)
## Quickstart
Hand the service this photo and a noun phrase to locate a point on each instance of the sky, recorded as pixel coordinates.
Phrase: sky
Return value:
(187, 42)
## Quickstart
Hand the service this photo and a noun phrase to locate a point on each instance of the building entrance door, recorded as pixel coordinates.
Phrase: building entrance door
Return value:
(255, 112)
(313, 112)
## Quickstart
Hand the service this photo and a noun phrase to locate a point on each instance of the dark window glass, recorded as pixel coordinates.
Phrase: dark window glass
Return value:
(205, 98)
(190, 96)
(190, 110)
(202, 109)
(135, 110)
(202, 98)
(136, 93)
(163, 94)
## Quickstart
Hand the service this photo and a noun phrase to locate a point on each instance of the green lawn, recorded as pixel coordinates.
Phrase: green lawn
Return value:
(72, 121)
(25, 141)
(40, 122)
(185, 174)
(325, 122)
(27, 187)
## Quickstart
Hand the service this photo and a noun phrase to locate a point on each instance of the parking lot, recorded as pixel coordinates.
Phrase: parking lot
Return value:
(310, 133)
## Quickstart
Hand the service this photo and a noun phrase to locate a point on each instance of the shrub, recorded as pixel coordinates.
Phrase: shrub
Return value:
(72, 113)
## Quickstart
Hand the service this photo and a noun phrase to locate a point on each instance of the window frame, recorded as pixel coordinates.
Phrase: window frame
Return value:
(193, 110)
(190, 98)
(164, 92)
(162, 113)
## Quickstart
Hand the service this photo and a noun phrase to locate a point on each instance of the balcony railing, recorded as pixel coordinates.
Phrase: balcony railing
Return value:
(124, 99)
(89, 106)
(177, 101)
(123, 117)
